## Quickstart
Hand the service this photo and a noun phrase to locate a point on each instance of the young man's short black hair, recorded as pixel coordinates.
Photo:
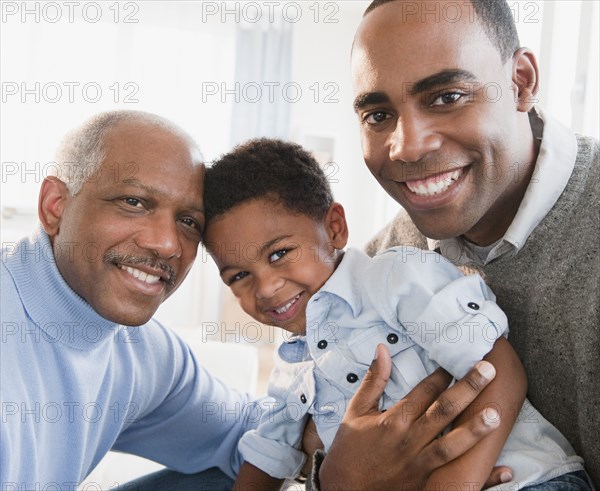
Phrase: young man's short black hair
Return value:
(496, 19)
(267, 169)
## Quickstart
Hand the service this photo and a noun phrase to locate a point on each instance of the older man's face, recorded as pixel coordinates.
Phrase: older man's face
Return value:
(128, 239)
(438, 117)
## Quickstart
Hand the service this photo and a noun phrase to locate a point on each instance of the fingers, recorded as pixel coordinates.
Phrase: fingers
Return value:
(458, 441)
(422, 396)
(366, 399)
(455, 400)
(499, 475)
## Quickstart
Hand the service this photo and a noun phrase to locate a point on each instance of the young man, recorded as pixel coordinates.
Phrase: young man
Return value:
(450, 131)
(119, 229)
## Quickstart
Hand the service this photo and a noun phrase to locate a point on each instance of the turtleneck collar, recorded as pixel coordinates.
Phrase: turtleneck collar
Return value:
(61, 314)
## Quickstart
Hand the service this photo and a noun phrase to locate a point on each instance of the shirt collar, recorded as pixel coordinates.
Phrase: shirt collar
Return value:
(344, 280)
(553, 169)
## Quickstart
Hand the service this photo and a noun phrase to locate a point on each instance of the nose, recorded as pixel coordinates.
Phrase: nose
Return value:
(267, 283)
(160, 235)
(413, 138)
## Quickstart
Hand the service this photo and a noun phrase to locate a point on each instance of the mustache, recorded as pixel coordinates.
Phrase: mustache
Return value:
(113, 257)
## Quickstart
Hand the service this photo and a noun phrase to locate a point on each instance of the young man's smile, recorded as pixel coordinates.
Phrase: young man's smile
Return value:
(434, 134)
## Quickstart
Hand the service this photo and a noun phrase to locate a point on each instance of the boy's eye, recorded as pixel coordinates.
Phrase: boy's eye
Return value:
(277, 255)
(236, 277)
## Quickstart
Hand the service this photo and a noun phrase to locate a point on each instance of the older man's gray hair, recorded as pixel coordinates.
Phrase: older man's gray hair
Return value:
(82, 151)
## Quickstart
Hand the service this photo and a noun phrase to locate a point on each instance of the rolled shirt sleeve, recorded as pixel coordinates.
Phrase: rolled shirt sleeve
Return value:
(453, 317)
(274, 447)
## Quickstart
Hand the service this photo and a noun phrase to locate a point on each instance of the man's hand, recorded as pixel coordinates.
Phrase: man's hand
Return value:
(398, 449)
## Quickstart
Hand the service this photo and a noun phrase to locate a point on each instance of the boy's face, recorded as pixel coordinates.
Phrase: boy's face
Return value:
(275, 260)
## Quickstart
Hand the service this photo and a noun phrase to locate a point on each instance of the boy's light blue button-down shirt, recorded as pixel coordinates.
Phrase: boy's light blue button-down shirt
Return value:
(416, 303)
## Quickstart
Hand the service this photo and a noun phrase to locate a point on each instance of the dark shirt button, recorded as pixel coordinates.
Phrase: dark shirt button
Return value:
(352, 378)
(392, 338)
(322, 344)
(303, 398)
(473, 305)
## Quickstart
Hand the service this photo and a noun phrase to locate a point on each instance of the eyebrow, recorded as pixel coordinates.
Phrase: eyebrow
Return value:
(439, 79)
(262, 249)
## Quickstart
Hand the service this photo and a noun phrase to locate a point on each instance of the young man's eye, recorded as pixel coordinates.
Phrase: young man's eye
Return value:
(376, 117)
(447, 98)
(277, 255)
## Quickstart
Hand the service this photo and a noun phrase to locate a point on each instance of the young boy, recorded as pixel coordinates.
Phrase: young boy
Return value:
(278, 237)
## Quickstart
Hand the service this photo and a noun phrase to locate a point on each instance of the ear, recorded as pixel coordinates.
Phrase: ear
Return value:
(336, 225)
(525, 76)
(53, 198)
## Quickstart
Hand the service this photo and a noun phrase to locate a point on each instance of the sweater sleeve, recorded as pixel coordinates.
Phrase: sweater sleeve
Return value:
(453, 317)
(184, 418)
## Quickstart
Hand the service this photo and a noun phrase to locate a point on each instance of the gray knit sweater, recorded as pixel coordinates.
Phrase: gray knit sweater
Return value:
(550, 292)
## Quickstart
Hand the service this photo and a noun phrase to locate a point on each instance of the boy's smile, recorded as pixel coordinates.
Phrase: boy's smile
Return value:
(273, 259)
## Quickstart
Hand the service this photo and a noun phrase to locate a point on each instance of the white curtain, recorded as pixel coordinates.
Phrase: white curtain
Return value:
(263, 82)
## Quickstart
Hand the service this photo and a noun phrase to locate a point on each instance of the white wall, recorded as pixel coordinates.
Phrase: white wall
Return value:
(171, 53)
(321, 54)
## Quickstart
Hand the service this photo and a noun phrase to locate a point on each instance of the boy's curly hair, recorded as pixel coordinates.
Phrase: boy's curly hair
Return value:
(267, 169)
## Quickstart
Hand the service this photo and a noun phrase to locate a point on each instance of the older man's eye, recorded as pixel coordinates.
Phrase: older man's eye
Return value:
(135, 202)
(190, 222)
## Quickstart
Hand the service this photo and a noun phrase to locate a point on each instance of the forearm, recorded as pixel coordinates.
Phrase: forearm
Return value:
(251, 478)
(506, 395)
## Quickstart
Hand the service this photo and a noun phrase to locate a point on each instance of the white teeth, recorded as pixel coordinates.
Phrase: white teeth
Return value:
(286, 307)
(141, 275)
(431, 187)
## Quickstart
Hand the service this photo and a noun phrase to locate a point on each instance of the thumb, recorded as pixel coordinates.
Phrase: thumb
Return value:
(366, 399)
(499, 475)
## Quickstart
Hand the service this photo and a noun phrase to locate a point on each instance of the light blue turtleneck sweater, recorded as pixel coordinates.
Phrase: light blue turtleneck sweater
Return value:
(74, 385)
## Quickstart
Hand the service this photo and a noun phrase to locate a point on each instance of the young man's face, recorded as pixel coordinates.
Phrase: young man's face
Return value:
(438, 119)
(273, 260)
(127, 240)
